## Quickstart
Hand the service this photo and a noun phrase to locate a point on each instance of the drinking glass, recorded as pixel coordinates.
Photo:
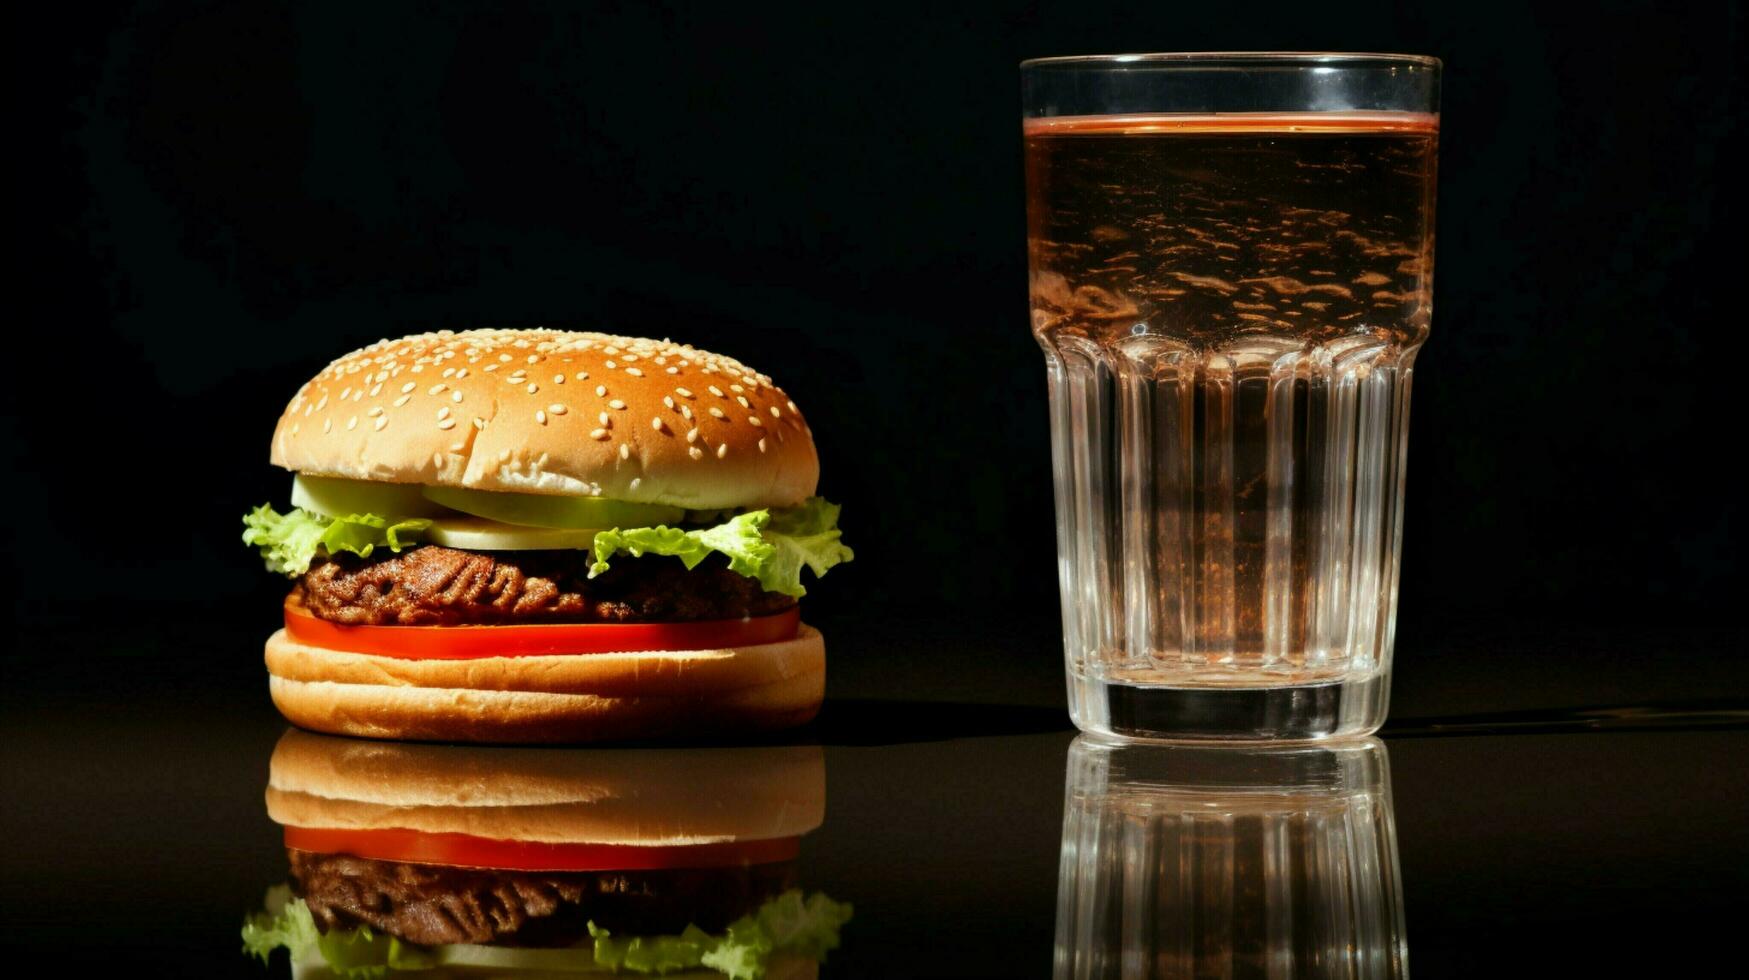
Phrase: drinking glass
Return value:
(1231, 271)
(1229, 861)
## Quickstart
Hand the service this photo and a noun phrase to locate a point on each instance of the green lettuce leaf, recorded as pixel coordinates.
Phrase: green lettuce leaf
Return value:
(650, 954)
(770, 545)
(805, 535)
(353, 954)
(285, 922)
(808, 927)
(788, 923)
(289, 542)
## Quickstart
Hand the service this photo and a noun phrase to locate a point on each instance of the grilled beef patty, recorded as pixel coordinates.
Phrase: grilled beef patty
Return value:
(435, 586)
(432, 904)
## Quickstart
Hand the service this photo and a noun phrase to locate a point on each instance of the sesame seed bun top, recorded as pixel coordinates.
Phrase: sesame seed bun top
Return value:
(554, 412)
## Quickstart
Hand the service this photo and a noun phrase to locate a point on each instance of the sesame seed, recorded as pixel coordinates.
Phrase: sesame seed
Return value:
(404, 399)
(352, 423)
(295, 427)
(558, 379)
(376, 390)
(490, 367)
(669, 401)
(695, 453)
(686, 410)
(455, 396)
(534, 358)
(532, 387)
(673, 370)
(753, 420)
(635, 481)
(327, 425)
(616, 404)
(793, 409)
(417, 368)
(692, 434)
(598, 434)
(479, 423)
(456, 447)
(625, 451)
(437, 389)
(682, 392)
(717, 412)
(446, 423)
(344, 394)
(606, 419)
(582, 375)
(323, 403)
(634, 372)
(381, 421)
(761, 445)
(373, 413)
(505, 358)
(610, 365)
(722, 450)
(449, 372)
(737, 389)
(461, 374)
(540, 416)
(437, 460)
(743, 400)
(443, 413)
(658, 425)
(717, 391)
(601, 391)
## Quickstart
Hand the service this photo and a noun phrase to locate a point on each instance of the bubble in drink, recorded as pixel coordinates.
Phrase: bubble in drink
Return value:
(1230, 307)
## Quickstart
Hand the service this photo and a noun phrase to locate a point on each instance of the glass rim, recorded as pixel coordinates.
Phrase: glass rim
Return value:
(1237, 59)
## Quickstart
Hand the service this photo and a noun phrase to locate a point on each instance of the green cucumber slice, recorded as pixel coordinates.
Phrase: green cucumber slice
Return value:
(483, 534)
(333, 496)
(576, 959)
(545, 510)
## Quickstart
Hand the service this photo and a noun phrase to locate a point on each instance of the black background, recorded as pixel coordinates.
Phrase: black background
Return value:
(219, 198)
(210, 201)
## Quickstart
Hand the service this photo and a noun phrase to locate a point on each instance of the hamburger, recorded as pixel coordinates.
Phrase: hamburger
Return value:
(451, 861)
(544, 536)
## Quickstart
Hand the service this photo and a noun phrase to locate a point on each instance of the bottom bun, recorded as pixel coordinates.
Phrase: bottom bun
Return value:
(576, 698)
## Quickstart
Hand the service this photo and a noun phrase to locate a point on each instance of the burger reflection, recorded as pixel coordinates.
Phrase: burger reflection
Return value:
(441, 861)
(1182, 861)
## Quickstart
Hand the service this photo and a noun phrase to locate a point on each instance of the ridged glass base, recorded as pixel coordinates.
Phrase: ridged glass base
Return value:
(1197, 861)
(1347, 708)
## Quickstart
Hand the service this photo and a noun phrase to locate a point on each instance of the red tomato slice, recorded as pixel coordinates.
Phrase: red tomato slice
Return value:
(467, 851)
(537, 640)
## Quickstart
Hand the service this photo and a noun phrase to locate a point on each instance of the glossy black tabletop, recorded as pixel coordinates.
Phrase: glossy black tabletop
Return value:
(1547, 819)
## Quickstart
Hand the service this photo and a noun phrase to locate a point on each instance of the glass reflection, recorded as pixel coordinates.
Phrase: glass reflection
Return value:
(438, 861)
(1187, 861)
